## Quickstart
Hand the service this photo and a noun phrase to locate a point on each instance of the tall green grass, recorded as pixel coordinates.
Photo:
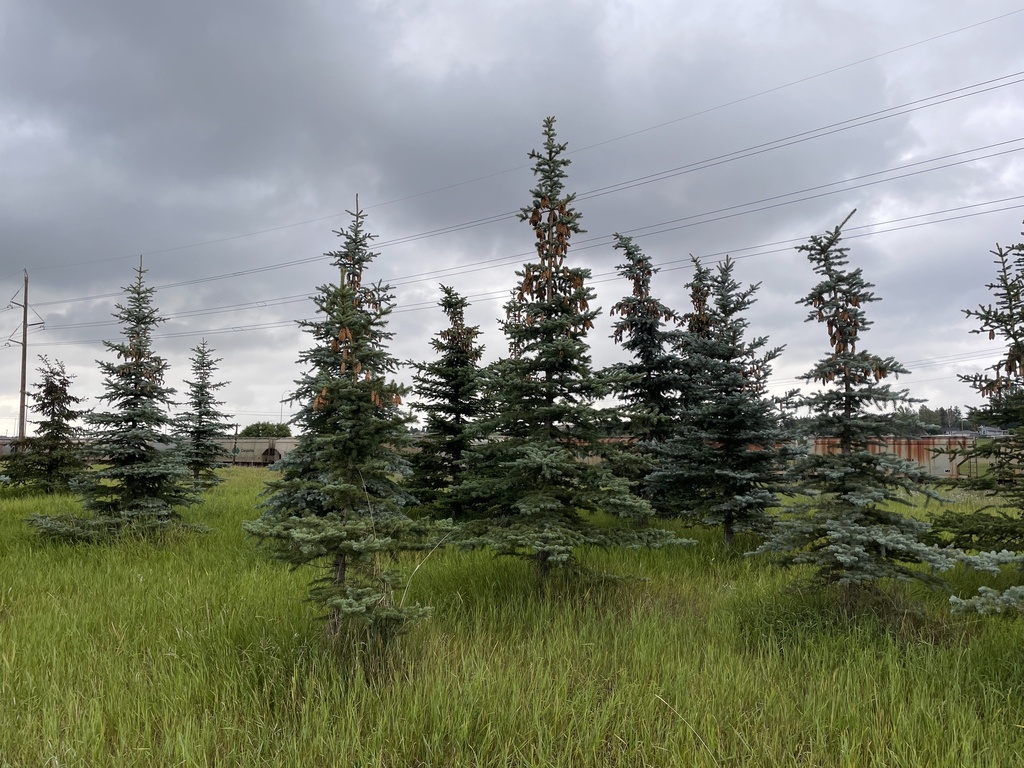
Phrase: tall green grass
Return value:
(201, 651)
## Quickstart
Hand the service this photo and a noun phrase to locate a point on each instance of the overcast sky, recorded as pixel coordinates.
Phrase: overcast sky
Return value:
(224, 142)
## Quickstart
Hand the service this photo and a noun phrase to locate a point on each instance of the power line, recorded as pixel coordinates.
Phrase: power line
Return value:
(690, 116)
(789, 242)
(804, 199)
(504, 260)
(602, 240)
(598, 279)
(261, 304)
(925, 364)
(805, 79)
(698, 165)
(581, 245)
(664, 266)
(751, 151)
(815, 133)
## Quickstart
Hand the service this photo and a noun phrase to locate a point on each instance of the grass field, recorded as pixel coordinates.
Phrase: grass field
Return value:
(201, 651)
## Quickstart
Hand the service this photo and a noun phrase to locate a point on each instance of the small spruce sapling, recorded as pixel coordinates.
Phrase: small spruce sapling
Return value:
(52, 460)
(200, 427)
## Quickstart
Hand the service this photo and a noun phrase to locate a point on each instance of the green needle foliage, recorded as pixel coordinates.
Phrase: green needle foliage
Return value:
(529, 478)
(449, 393)
(727, 457)
(682, 460)
(998, 526)
(50, 461)
(1002, 385)
(648, 387)
(338, 503)
(847, 530)
(198, 429)
(141, 480)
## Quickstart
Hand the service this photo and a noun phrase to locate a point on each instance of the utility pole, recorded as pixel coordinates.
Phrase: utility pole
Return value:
(24, 358)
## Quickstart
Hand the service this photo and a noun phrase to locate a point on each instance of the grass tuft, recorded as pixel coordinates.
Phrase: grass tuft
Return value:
(201, 651)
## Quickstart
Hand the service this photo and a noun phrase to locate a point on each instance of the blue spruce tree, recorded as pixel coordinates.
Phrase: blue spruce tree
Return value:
(847, 529)
(140, 481)
(997, 527)
(649, 386)
(726, 460)
(338, 504)
(532, 480)
(51, 461)
(200, 427)
(449, 393)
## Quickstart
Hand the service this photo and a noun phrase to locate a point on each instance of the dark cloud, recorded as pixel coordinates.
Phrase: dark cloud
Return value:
(130, 128)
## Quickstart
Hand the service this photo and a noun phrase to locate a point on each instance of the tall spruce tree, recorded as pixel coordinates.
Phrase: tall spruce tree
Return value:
(726, 460)
(449, 393)
(141, 481)
(685, 396)
(338, 503)
(528, 479)
(847, 530)
(50, 461)
(202, 424)
(998, 526)
(649, 385)
(675, 497)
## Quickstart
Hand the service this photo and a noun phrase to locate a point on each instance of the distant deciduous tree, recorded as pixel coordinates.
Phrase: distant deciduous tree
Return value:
(935, 420)
(266, 429)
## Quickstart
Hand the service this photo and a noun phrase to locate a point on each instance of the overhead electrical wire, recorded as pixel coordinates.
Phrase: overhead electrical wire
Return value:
(601, 278)
(742, 154)
(924, 363)
(805, 79)
(816, 133)
(585, 148)
(701, 112)
(662, 266)
(809, 197)
(754, 150)
(739, 154)
(506, 260)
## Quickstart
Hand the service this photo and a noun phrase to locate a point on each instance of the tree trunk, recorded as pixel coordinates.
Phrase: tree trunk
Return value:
(334, 617)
